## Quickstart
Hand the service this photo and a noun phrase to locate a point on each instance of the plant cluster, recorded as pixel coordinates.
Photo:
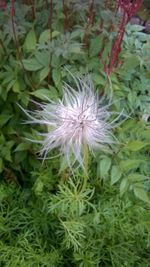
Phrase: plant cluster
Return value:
(47, 218)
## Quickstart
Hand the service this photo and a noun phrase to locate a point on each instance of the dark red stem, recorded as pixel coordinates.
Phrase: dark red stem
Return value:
(90, 19)
(127, 8)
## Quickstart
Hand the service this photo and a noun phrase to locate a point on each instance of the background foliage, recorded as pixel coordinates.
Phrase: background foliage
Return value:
(46, 220)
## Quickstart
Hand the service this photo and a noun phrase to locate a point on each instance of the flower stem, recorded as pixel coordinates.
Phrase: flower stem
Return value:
(85, 163)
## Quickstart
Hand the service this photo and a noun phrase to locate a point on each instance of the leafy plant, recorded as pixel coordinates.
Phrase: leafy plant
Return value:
(47, 218)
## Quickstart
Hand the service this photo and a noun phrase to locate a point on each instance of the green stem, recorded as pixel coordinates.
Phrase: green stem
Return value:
(85, 163)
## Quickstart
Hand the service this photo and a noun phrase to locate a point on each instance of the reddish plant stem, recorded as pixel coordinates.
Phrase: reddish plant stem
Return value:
(33, 10)
(104, 41)
(128, 10)
(90, 19)
(66, 19)
(116, 47)
(129, 7)
(91, 13)
(3, 5)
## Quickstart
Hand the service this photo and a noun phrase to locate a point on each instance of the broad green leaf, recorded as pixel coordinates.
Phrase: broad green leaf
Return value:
(44, 73)
(46, 36)
(132, 98)
(6, 153)
(4, 118)
(10, 143)
(56, 74)
(16, 87)
(43, 57)
(98, 79)
(136, 177)
(55, 61)
(32, 64)
(136, 28)
(22, 147)
(129, 124)
(141, 194)
(123, 186)
(9, 78)
(136, 145)
(146, 134)
(20, 156)
(10, 85)
(129, 164)
(45, 94)
(104, 166)
(11, 130)
(130, 62)
(24, 98)
(30, 41)
(95, 46)
(115, 174)
(76, 50)
(33, 161)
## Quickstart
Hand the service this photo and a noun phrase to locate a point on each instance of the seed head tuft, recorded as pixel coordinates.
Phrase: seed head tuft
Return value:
(78, 119)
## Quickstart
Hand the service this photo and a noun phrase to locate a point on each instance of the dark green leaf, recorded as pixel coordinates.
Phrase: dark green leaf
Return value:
(136, 145)
(22, 147)
(115, 174)
(124, 186)
(32, 64)
(141, 194)
(30, 41)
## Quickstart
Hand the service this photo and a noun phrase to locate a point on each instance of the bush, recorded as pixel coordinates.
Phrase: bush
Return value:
(47, 219)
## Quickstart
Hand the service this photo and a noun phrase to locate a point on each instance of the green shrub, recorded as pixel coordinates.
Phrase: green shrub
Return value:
(46, 218)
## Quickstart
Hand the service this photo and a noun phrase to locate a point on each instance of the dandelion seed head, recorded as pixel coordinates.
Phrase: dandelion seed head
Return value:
(78, 119)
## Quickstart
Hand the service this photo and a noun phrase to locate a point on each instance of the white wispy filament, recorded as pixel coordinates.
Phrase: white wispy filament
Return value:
(78, 119)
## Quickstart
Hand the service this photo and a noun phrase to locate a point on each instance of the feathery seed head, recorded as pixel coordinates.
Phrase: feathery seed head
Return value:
(76, 120)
